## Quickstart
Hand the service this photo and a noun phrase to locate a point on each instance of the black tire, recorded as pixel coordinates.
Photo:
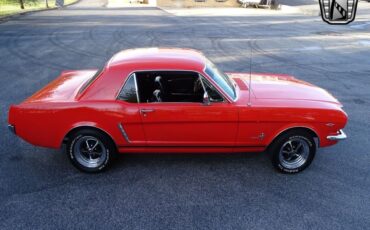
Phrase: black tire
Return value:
(287, 156)
(89, 160)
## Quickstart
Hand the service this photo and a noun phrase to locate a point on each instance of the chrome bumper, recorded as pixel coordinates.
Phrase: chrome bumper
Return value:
(340, 136)
(11, 128)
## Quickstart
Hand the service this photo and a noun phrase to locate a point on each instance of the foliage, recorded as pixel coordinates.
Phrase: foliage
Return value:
(8, 7)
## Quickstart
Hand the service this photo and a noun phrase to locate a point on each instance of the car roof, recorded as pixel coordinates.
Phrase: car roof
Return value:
(156, 56)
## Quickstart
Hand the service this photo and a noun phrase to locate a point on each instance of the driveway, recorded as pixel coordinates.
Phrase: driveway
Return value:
(40, 189)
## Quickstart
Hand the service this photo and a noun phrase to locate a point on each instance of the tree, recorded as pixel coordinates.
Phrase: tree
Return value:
(47, 3)
(21, 3)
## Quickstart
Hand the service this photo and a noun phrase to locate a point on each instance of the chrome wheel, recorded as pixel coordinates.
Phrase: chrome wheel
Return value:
(294, 153)
(90, 152)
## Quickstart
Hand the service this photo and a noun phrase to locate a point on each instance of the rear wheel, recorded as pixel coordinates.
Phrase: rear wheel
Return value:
(90, 150)
(293, 151)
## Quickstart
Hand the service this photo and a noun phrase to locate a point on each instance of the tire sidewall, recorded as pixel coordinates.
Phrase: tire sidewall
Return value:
(283, 139)
(102, 138)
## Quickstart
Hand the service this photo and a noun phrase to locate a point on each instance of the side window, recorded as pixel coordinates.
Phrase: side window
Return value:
(169, 86)
(129, 92)
(213, 94)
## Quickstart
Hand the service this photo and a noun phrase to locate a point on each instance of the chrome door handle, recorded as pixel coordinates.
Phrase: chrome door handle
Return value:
(146, 111)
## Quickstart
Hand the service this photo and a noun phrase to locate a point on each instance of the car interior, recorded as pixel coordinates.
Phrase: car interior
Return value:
(173, 86)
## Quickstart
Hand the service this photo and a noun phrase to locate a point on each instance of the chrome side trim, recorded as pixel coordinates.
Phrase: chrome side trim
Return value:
(123, 132)
(340, 136)
(11, 128)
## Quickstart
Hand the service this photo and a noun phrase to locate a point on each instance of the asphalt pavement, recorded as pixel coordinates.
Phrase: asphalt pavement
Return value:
(40, 189)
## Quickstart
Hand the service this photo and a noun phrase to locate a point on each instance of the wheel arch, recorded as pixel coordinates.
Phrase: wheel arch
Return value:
(310, 130)
(83, 127)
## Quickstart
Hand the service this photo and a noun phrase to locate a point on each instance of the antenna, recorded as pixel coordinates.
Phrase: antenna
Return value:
(250, 74)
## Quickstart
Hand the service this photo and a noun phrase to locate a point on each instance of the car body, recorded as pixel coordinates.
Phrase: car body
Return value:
(251, 111)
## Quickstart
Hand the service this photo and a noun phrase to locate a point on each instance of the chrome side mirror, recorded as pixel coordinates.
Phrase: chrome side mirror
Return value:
(206, 100)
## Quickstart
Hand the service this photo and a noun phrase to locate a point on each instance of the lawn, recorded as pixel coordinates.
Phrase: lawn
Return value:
(8, 7)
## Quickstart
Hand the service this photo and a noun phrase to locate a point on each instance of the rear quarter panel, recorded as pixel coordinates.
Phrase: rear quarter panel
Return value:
(46, 124)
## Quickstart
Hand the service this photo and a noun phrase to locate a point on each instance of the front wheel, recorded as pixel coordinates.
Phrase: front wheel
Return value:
(90, 150)
(293, 151)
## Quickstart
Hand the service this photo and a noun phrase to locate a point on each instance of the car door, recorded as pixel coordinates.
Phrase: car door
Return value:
(189, 124)
(130, 124)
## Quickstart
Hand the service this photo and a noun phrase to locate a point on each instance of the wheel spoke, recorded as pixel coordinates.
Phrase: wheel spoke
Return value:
(298, 146)
(90, 151)
(286, 154)
(287, 158)
(290, 145)
(87, 144)
(97, 153)
(96, 144)
(85, 151)
(294, 153)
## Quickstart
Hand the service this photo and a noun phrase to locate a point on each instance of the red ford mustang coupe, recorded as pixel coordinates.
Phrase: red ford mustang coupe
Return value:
(176, 100)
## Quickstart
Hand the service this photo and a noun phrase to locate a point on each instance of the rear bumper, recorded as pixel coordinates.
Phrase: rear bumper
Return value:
(11, 128)
(340, 136)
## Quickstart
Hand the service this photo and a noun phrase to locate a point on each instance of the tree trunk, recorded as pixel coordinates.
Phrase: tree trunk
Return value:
(47, 3)
(59, 3)
(21, 3)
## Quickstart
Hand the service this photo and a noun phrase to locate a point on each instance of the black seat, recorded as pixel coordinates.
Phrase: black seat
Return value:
(159, 84)
(157, 97)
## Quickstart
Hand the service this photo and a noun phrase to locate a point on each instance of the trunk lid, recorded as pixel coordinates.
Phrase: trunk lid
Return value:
(64, 88)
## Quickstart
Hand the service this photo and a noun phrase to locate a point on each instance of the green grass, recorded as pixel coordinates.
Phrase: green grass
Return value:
(12, 7)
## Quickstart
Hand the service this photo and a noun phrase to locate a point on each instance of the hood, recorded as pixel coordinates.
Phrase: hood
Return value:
(64, 88)
(283, 87)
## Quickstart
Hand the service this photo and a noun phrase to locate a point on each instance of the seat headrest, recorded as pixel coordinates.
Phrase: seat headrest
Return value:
(158, 79)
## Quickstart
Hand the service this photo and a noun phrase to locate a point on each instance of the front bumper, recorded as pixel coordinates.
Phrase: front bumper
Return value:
(340, 136)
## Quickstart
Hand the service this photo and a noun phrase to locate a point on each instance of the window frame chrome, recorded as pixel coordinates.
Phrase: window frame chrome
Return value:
(219, 90)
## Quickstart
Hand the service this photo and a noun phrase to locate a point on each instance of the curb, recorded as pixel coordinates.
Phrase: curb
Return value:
(313, 10)
(16, 15)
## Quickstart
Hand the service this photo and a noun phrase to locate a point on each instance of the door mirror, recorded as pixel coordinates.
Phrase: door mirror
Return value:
(206, 100)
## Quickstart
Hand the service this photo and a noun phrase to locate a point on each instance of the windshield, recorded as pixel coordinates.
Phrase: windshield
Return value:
(220, 78)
